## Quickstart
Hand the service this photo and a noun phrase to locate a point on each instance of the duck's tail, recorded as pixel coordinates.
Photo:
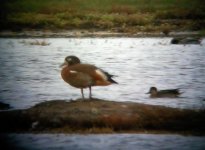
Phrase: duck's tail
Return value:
(108, 76)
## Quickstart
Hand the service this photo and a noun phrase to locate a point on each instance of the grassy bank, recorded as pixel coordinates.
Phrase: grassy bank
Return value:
(115, 15)
(101, 116)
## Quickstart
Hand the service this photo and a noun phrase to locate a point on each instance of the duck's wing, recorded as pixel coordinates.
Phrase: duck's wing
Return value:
(93, 71)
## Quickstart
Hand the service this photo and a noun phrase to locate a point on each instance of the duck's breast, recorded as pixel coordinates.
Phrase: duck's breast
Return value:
(76, 78)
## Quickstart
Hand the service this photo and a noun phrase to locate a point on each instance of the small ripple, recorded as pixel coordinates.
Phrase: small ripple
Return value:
(186, 68)
(34, 60)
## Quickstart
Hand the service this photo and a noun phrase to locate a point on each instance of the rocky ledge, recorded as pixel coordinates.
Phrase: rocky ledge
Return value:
(101, 116)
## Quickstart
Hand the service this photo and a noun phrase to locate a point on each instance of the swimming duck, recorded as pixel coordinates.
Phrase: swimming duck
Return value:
(170, 93)
(84, 75)
(186, 40)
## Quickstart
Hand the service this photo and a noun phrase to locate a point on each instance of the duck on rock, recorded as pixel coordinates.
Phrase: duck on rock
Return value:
(82, 76)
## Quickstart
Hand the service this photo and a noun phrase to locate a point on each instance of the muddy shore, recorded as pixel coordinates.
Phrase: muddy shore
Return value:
(102, 116)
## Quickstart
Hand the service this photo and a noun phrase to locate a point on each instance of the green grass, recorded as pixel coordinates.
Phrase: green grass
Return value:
(121, 15)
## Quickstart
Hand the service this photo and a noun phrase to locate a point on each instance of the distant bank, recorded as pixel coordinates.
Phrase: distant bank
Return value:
(91, 33)
(118, 16)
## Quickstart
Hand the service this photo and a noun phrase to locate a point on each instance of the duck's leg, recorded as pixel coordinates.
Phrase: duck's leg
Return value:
(82, 93)
(90, 94)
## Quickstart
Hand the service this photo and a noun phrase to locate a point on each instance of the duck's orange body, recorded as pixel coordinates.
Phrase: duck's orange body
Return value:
(84, 75)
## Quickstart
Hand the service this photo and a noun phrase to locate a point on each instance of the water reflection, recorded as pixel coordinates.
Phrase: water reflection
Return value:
(31, 74)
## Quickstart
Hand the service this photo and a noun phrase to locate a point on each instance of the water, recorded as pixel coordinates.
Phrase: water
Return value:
(30, 74)
(104, 142)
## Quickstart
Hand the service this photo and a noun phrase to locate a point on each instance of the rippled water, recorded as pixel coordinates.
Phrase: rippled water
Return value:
(104, 142)
(30, 73)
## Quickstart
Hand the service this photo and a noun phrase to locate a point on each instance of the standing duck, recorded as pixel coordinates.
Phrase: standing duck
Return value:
(170, 93)
(84, 75)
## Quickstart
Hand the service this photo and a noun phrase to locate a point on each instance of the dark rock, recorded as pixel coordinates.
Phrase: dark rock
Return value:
(4, 106)
(102, 116)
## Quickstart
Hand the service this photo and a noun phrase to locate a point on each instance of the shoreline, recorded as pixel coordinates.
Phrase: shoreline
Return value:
(91, 33)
